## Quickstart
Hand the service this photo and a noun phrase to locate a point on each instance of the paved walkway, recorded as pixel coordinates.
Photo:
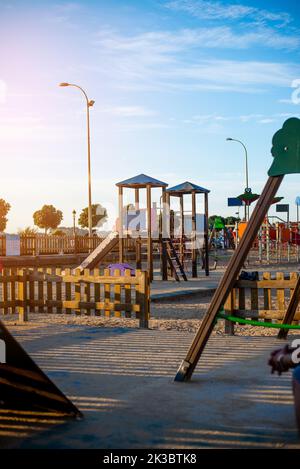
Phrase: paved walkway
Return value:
(122, 380)
(171, 289)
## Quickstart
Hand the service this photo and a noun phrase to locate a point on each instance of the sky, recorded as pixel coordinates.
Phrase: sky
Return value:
(171, 80)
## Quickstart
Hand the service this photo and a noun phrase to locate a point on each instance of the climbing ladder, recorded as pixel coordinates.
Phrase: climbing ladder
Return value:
(173, 260)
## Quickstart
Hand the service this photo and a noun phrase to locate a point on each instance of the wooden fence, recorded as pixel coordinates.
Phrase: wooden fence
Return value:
(53, 291)
(49, 244)
(266, 298)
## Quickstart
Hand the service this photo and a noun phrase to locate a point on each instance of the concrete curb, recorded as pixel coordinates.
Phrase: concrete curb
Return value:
(174, 295)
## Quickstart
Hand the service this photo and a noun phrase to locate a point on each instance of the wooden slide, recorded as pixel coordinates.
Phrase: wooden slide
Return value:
(100, 252)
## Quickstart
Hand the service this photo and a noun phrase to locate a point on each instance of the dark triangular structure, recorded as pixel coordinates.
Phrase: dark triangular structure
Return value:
(24, 386)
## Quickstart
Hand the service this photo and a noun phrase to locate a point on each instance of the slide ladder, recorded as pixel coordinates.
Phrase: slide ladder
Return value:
(173, 259)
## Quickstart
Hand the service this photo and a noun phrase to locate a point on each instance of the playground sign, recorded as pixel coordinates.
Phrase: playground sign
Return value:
(234, 202)
(282, 208)
(13, 245)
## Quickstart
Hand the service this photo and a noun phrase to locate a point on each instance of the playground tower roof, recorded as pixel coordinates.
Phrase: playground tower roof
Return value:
(141, 181)
(187, 188)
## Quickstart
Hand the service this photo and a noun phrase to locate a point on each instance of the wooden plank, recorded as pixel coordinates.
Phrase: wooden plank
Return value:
(229, 307)
(291, 312)
(106, 294)
(87, 291)
(22, 296)
(13, 291)
(280, 293)
(58, 292)
(242, 302)
(110, 306)
(265, 283)
(77, 294)
(5, 290)
(144, 299)
(260, 313)
(100, 279)
(41, 292)
(226, 284)
(49, 291)
(68, 291)
(97, 293)
(127, 296)
(117, 294)
(254, 299)
(31, 283)
(267, 294)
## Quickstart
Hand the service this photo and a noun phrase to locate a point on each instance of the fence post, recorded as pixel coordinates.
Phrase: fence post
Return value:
(144, 298)
(22, 296)
(228, 308)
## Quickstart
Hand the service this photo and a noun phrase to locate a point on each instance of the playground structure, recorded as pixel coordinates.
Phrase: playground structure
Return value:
(152, 233)
(277, 241)
(25, 386)
(286, 153)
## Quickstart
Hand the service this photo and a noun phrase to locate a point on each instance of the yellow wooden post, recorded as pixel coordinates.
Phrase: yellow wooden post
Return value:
(127, 296)
(97, 292)
(22, 296)
(117, 294)
(106, 295)
(144, 298)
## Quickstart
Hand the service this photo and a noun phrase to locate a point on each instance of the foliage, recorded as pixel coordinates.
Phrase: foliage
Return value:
(99, 216)
(47, 217)
(28, 231)
(4, 209)
(231, 220)
(58, 233)
(212, 218)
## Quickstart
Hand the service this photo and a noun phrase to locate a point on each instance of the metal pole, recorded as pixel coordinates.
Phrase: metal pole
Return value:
(89, 171)
(89, 103)
(247, 172)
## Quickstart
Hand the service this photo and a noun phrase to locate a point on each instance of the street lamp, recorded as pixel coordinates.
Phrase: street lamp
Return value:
(247, 177)
(89, 103)
(74, 223)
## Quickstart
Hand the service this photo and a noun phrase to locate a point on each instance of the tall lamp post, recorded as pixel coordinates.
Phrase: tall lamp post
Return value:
(74, 223)
(89, 103)
(247, 176)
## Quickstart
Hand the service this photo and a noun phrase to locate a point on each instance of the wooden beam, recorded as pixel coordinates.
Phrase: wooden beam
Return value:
(226, 284)
(121, 241)
(138, 238)
(149, 234)
(163, 227)
(182, 243)
(206, 234)
(291, 310)
(194, 230)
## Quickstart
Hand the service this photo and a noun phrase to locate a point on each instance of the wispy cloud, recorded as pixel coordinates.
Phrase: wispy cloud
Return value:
(214, 10)
(162, 60)
(223, 37)
(128, 111)
(200, 119)
(62, 13)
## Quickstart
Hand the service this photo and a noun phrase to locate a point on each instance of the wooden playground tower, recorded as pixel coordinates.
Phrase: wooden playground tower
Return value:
(164, 239)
